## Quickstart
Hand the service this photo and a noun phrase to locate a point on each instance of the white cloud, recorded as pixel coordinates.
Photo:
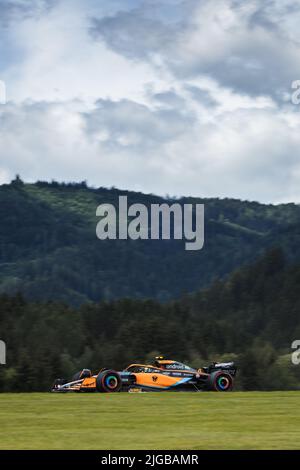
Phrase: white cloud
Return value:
(250, 153)
(251, 46)
(58, 61)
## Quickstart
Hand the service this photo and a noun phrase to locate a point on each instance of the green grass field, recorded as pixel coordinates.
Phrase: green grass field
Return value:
(238, 420)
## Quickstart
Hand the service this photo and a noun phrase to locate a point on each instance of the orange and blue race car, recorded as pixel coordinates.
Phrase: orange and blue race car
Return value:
(162, 375)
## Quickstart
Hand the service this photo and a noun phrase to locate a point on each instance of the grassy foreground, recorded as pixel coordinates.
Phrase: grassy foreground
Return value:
(238, 420)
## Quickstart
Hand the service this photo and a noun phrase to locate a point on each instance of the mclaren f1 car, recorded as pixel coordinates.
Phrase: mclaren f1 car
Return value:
(162, 375)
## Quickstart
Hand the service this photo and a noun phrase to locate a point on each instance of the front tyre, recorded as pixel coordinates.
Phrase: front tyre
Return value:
(108, 381)
(219, 381)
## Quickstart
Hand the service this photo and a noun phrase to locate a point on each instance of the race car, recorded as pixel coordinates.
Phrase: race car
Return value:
(162, 375)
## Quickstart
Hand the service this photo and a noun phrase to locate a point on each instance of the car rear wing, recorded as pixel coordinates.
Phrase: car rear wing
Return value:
(229, 367)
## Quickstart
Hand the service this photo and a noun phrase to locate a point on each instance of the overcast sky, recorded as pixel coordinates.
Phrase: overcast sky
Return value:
(179, 97)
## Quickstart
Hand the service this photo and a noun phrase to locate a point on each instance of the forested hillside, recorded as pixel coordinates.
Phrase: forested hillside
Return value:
(253, 317)
(49, 249)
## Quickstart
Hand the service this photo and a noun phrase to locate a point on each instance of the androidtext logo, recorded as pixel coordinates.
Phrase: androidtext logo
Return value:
(2, 353)
(162, 221)
(296, 353)
(2, 92)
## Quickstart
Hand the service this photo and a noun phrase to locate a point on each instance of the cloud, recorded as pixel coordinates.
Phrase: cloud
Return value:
(251, 153)
(132, 33)
(52, 58)
(248, 46)
(13, 10)
(129, 124)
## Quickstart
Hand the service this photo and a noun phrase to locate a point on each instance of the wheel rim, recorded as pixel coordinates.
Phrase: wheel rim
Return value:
(111, 382)
(223, 382)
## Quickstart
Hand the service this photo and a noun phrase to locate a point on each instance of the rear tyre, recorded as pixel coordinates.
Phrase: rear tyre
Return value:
(108, 381)
(82, 374)
(219, 381)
